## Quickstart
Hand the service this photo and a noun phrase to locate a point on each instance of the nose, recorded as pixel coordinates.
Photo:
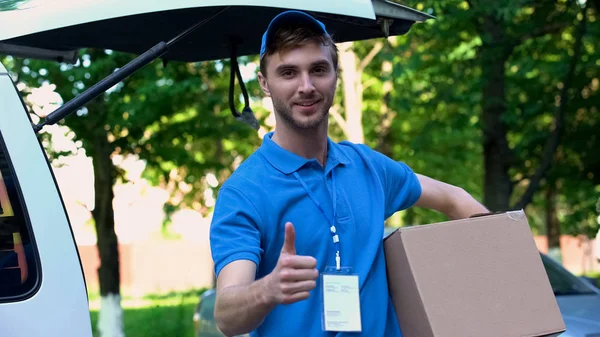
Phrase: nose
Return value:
(306, 85)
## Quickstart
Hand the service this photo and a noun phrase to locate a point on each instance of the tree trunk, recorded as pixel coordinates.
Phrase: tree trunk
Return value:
(497, 155)
(387, 114)
(352, 88)
(552, 224)
(556, 134)
(110, 322)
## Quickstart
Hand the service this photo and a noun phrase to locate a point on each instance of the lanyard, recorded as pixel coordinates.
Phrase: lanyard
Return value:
(332, 229)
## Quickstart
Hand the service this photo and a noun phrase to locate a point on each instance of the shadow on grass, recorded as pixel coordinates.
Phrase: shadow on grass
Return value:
(155, 321)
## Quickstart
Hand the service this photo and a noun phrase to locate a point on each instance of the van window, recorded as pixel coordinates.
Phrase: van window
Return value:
(18, 268)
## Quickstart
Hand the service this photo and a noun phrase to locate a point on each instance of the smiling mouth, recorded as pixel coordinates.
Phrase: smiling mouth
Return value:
(307, 104)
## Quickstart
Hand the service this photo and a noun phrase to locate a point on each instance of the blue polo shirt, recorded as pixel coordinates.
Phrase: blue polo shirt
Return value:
(265, 192)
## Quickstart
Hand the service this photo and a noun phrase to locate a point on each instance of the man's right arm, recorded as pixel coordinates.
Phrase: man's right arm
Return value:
(243, 303)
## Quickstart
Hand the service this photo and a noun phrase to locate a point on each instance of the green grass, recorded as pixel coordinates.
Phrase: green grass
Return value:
(156, 315)
(166, 315)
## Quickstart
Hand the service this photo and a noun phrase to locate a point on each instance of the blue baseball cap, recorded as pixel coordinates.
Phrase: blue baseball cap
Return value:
(291, 16)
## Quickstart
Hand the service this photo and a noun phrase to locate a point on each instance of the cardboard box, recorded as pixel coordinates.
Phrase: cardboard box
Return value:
(476, 277)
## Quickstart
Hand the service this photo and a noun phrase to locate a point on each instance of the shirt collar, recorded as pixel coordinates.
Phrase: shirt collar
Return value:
(288, 162)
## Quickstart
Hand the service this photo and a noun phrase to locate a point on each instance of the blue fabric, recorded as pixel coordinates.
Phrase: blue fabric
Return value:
(262, 195)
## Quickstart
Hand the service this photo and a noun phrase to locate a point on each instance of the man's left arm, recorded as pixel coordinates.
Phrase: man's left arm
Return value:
(453, 201)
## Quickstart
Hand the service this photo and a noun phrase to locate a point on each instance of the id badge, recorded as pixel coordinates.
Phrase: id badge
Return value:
(340, 309)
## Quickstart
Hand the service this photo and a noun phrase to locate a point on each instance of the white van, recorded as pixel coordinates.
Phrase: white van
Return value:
(42, 288)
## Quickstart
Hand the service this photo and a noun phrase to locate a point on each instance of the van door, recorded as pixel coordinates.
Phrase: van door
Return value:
(42, 288)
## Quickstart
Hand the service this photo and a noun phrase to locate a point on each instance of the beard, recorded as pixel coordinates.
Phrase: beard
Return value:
(285, 111)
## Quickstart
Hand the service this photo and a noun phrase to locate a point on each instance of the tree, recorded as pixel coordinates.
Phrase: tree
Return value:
(352, 71)
(554, 149)
(199, 139)
(473, 66)
(503, 30)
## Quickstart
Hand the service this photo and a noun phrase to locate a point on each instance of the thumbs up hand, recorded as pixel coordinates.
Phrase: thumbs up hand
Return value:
(294, 276)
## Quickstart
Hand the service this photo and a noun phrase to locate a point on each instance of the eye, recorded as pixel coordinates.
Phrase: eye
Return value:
(320, 70)
(287, 73)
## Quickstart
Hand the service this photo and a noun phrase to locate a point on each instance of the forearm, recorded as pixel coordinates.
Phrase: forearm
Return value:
(241, 309)
(452, 201)
(464, 205)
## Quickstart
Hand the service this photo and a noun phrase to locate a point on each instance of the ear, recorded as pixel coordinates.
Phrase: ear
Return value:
(262, 80)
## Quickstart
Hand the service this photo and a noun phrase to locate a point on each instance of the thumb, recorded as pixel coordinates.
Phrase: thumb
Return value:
(289, 243)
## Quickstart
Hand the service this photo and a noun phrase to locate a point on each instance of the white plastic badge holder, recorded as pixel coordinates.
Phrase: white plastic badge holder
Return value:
(340, 300)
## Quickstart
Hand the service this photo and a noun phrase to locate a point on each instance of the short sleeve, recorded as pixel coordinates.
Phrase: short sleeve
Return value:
(401, 185)
(234, 230)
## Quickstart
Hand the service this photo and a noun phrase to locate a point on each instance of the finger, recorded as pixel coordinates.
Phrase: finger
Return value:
(293, 275)
(289, 243)
(290, 288)
(298, 262)
(296, 297)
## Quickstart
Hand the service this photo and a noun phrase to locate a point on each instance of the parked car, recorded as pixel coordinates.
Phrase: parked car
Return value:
(204, 319)
(578, 299)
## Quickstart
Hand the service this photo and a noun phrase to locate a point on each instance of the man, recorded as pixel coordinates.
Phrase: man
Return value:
(303, 207)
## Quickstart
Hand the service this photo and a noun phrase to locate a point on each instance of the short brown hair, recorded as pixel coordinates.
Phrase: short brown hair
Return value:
(286, 38)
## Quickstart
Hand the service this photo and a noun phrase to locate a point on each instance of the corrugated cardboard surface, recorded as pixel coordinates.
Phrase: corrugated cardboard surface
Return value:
(477, 277)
